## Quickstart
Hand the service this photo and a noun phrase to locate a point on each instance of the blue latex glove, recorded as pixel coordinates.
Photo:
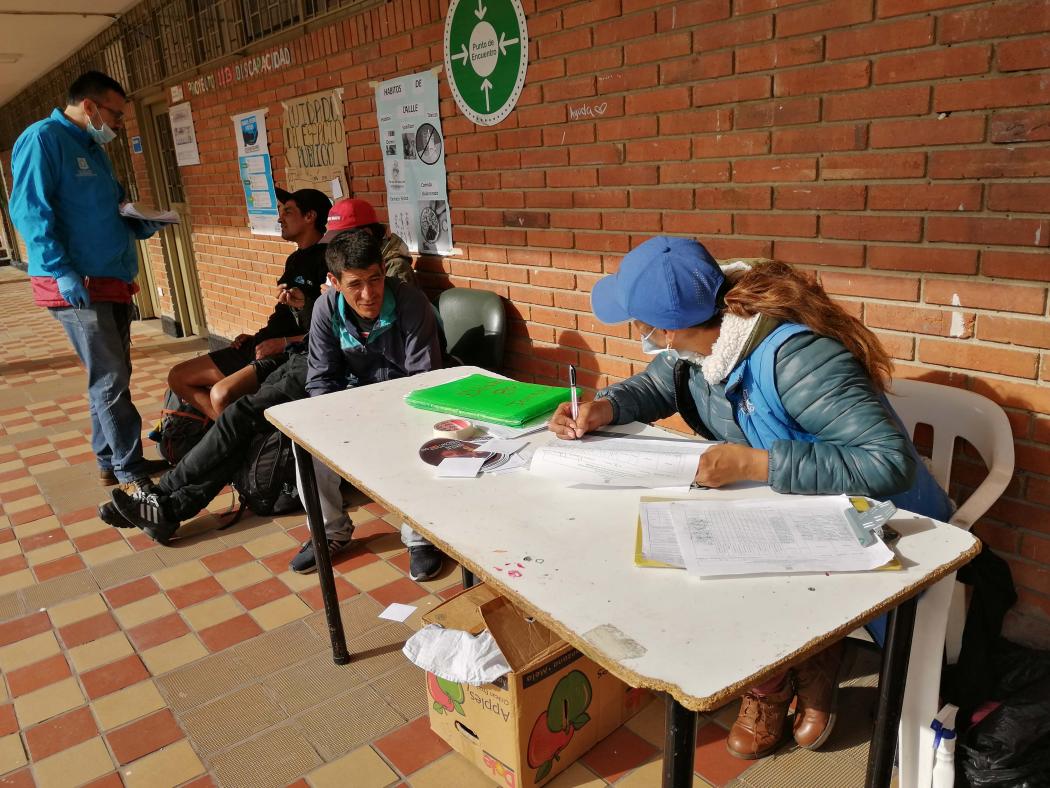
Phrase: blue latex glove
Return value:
(152, 227)
(71, 287)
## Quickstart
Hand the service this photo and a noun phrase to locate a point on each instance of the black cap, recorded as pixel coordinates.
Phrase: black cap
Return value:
(308, 200)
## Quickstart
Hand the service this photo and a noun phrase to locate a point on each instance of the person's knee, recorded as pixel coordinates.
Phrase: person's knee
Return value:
(177, 377)
(220, 398)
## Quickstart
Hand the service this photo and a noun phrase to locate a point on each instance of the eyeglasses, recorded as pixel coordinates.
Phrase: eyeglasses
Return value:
(117, 114)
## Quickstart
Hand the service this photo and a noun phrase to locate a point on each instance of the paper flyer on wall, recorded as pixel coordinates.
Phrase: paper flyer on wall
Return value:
(255, 172)
(315, 143)
(183, 135)
(413, 149)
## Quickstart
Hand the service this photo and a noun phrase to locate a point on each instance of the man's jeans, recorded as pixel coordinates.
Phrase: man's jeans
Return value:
(337, 525)
(101, 336)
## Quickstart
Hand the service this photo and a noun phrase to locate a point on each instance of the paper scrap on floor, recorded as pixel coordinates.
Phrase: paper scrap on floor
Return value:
(396, 611)
(621, 462)
(747, 537)
(132, 211)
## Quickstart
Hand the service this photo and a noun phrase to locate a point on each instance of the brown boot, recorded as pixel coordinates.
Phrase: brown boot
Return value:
(759, 727)
(817, 681)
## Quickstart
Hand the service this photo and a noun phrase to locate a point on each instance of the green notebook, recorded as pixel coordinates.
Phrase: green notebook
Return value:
(496, 400)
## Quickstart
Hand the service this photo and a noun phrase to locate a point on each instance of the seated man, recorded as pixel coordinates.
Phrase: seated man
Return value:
(212, 381)
(353, 213)
(367, 328)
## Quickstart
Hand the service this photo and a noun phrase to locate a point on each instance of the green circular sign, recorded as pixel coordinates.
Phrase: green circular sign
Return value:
(486, 56)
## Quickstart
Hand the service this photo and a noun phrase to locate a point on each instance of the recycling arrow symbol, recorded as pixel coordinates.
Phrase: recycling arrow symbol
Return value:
(486, 55)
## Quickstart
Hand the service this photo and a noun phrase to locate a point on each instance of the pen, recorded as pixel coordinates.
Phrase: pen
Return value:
(575, 395)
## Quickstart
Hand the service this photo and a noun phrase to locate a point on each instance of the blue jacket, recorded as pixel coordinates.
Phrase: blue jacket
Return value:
(65, 202)
(404, 341)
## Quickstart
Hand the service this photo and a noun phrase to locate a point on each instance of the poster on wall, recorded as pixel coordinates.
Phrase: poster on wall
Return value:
(182, 134)
(315, 143)
(253, 158)
(413, 148)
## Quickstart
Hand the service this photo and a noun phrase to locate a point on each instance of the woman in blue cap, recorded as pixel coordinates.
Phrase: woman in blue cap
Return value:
(761, 358)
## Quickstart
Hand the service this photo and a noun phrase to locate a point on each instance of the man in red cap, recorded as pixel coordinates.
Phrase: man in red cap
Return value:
(352, 213)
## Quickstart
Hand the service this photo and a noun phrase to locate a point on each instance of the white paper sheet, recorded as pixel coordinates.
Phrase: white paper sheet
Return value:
(503, 445)
(460, 467)
(659, 540)
(810, 534)
(396, 611)
(132, 211)
(620, 462)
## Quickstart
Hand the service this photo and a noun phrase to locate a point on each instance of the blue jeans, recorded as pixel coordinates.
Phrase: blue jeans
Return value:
(101, 336)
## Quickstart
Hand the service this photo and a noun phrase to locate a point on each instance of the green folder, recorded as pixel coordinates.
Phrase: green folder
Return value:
(495, 400)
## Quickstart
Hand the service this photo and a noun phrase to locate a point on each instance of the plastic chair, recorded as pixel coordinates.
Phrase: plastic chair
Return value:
(475, 326)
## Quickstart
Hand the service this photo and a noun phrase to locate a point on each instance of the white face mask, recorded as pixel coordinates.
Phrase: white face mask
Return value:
(649, 347)
(103, 135)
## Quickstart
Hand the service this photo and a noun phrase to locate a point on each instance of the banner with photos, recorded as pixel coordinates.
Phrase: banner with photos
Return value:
(413, 149)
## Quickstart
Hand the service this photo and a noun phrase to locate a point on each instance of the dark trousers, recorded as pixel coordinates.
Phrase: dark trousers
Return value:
(212, 463)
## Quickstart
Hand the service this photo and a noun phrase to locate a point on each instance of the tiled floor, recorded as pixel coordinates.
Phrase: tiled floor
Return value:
(207, 662)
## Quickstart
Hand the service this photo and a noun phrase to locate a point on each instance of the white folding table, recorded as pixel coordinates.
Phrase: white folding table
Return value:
(565, 555)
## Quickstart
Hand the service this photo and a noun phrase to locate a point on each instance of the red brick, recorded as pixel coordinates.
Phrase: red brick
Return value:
(674, 45)
(132, 592)
(1015, 363)
(593, 12)
(1028, 53)
(1025, 299)
(733, 198)
(1030, 126)
(840, 198)
(240, 628)
(928, 131)
(995, 163)
(819, 253)
(40, 674)
(1022, 197)
(663, 198)
(22, 628)
(623, 29)
(877, 103)
(1029, 333)
(996, 21)
(901, 348)
(658, 150)
(779, 54)
(939, 64)
(1036, 548)
(695, 121)
(61, 733)
(144, 736)
(156, 632)
(861, 227)
(821, 138)
(867, 286)
(730, 91)
(871, 39)
(695, 68)
(775, 170)
(776, 225)
(917, 321)
(872, 166)
(564, 43)
(779, 112)
(1016, 265)
(732, 33)
(1019, 91)
(627, 128)
(977, 230)
(694, 172)
(822, 79)
(113, 677)
(698, 223)
(923, 259)
(62, 566)
(412, 746)
(656, 101)
(728, 146)
(822, 16)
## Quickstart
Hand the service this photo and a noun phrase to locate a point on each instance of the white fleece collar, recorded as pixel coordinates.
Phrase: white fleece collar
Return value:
(725, 353)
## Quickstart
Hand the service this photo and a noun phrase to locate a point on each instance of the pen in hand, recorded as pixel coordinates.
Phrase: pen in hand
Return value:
(574, 393)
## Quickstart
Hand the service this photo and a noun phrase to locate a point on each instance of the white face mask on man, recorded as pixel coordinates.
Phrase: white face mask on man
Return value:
(102, 135)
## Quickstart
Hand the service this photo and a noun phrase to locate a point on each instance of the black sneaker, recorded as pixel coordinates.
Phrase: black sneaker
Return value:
(424, 562)
(110, 515)
(305, 562)
(145, 511)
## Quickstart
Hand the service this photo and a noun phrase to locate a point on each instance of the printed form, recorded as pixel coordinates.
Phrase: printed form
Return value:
(621, 462)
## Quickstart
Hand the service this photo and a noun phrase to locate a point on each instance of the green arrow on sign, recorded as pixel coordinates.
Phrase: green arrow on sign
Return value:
(486, 57)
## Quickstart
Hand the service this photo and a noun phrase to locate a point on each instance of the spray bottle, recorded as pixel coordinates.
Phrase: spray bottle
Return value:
(944, 747)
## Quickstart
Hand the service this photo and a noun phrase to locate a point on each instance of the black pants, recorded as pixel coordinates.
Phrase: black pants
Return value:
(212, 463)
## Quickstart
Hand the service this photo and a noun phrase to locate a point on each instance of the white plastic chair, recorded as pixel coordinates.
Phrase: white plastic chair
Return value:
(952, 413)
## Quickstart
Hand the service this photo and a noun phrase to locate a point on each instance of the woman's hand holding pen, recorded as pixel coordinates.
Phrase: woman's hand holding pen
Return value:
(592, 416)
(726, 463)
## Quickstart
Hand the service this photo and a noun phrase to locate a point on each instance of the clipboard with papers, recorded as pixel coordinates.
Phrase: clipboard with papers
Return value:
(764, 536)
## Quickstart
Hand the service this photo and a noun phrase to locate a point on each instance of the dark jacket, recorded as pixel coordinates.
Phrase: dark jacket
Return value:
(405, 340)
(307, 270)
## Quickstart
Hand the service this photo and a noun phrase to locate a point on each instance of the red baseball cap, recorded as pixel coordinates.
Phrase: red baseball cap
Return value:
(349, 214)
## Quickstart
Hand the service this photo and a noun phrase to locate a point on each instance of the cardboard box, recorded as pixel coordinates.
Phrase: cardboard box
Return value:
(534, 722)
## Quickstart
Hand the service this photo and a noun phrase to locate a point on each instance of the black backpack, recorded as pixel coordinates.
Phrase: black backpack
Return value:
(181, 428)
(266, 481)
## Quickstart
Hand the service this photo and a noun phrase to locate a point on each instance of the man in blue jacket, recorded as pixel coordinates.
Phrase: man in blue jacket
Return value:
(65, 201)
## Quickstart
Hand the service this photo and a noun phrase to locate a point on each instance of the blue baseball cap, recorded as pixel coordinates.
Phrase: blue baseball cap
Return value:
(669, 283)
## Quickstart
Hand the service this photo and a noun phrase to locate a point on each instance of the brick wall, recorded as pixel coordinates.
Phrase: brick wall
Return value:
(900, 148)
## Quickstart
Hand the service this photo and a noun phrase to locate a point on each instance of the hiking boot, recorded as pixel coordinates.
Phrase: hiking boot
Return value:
(144, 509)
(424, 562)
(305, 562)
(759, 727)
(107, 477)
(817, 682)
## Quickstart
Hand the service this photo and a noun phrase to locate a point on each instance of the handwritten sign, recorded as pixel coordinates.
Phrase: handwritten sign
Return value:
(315, 143)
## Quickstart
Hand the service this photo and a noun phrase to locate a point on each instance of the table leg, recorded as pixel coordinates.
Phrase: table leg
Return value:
(468, 577)
(892, 679)
(679, 744)
(305, 464)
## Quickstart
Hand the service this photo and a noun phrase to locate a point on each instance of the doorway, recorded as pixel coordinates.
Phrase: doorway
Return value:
(177, 239)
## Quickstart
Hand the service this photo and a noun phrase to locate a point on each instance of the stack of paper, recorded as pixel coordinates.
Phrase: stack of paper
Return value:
(747, 537)
(621, 462)
(132, 211)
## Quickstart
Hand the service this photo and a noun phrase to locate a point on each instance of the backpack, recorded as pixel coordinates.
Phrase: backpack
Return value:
(181, 428)
(266, 481)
